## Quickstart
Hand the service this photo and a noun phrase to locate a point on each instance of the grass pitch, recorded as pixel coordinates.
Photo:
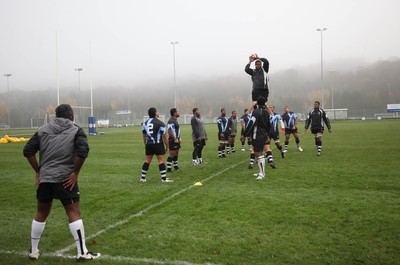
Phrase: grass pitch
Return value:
(340, 208)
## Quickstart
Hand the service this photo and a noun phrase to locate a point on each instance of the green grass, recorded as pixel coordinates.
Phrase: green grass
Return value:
(340, 208)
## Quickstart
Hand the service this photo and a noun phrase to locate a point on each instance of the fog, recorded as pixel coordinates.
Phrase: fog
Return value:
(128, 43)
(124, 48)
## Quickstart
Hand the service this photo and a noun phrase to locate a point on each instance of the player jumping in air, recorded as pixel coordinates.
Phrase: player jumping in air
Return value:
(259, 77)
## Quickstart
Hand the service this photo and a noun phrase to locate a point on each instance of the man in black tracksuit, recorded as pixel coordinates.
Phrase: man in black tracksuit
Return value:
(316, 118)
(259, 76)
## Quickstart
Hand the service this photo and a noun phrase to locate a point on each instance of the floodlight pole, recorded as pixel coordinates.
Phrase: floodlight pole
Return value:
(322, 69)
(79, 78)
(91, 79)
(57, 72)
(79, 70)
(173, 50)
(8, 96)
(332, 72)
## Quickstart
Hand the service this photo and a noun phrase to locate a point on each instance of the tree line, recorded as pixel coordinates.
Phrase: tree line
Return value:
(364, 91)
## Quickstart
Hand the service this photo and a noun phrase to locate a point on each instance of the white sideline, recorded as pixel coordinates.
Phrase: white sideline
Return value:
(61, 254)
(107, 257)
(72, 246)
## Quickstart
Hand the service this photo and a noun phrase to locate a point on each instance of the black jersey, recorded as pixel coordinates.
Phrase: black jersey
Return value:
(259, 76)
(154, 129)
(259, 124)
(316, 118)
(289, 119)
(222, 123)
(245, 119)
(173, 125)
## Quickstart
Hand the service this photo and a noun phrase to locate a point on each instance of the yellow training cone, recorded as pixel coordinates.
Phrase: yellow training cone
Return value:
(198, 184)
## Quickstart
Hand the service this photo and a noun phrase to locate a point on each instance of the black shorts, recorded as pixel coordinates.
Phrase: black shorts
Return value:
(49, 191)
(255, 94)
(274, 135)
(317, 131)
(174, 146)
(224, 137)
(155, 149)
(290, 131)
(259, 143)
(248, 137)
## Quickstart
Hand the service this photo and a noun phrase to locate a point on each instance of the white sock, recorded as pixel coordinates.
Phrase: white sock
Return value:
(78, 233)
(36, 233)
(261, 164)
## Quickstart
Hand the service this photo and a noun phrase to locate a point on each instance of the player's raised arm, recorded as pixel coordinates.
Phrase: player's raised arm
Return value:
(247, 69)
(265, 64)
(250, 110)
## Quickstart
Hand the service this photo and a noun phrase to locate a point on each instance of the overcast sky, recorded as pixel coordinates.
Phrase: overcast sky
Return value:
(131, 40)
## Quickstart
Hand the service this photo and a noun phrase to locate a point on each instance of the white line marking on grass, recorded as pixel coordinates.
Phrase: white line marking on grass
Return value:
(152, 261)
(140, 213)
(25, 253)
(61, 253)
(106, 257)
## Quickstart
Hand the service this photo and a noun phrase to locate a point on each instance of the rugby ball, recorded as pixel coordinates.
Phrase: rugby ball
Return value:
(253, 55)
